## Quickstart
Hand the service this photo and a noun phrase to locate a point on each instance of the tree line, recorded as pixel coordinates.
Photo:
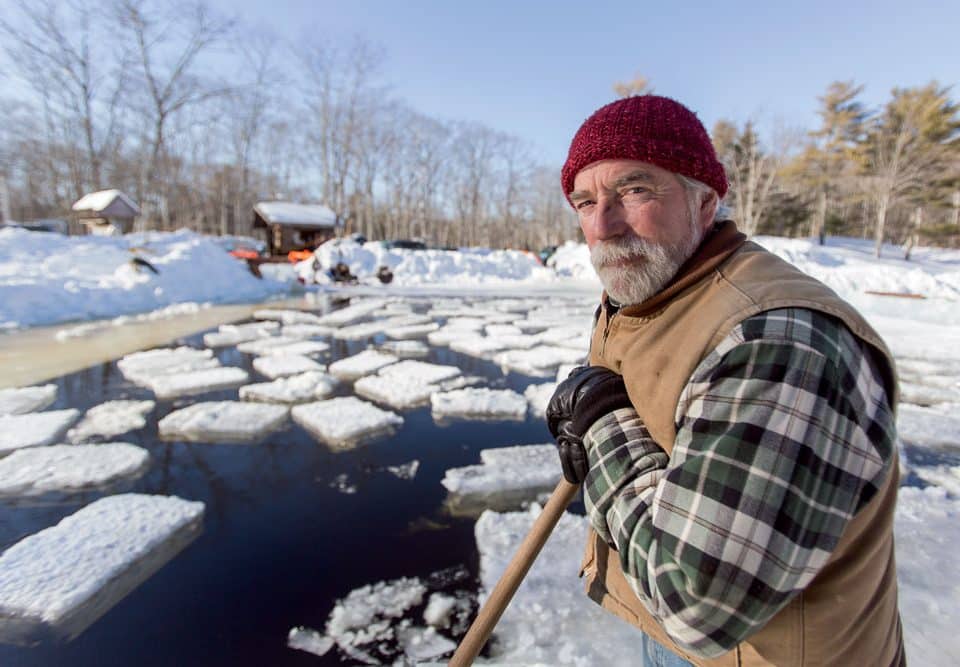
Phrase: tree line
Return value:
(198, 117)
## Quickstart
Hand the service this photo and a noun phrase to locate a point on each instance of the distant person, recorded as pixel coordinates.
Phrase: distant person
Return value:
(734, 431)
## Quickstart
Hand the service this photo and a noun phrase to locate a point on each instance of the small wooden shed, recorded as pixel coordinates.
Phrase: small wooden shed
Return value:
(106, 212)
(292, 226)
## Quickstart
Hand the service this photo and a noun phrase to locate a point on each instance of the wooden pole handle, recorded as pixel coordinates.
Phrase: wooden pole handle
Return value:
(529, 549)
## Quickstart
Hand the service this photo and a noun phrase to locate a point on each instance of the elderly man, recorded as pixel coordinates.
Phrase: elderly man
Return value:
(734, 431)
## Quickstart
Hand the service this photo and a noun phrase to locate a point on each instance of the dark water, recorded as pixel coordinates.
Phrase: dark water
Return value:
(280, 544)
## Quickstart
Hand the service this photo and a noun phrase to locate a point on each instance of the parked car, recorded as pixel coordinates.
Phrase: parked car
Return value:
(404, 244)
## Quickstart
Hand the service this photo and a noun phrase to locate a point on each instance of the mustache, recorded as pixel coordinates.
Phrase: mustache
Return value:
(620, 249)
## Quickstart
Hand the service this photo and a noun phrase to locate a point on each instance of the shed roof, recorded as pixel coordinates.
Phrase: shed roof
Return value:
(112, 203)
(300, 215)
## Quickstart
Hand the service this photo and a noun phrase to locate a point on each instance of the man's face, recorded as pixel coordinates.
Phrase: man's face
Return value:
(640, 225)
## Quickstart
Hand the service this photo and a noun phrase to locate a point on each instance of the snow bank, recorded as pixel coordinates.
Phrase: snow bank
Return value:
(49, 278)
(114, 544)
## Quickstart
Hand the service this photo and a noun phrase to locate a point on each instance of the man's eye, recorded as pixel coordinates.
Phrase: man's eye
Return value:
(636, 190)
(583, 204)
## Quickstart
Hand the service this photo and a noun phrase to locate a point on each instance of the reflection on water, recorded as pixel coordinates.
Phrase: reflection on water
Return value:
(281, 541)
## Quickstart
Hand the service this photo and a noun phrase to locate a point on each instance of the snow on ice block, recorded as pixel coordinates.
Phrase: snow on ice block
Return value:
(35, 429)
(929, 427)
(306, 348)
(352, 313)
(306, 331)
(544, 622)
(502, 330)
(141, 367)
(232, 334)
(282, 365)
(66, 467)
(466, 323)
(192, 383)
(538, 396)
(478, 346)
(411, 331)
(364, 363)
(26, 399)
(56, 583)
(420, 371)
(222, 421)
(301, 388)
(405, 348)
(540, 361)
(446, 335)
(507, 477)
(930, 392)
(265, 345)
(359, 331)
(564, 333)
(309, 640)
(479, 403)
(111, 419)
(286, 316)
(398, 392)
(343, 421)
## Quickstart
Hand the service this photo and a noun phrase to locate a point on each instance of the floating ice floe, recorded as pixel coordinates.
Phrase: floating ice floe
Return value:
(352, 313)
(26, 399)
(558, 335)
(947, 477)
(301, 388)
(141, 367)
(287, 316)
(406, 384)
(57, 582)
(479, 403)
(266, 345)
(478, 346)
(283, 365)
(930, 392)
(233, 334)
(531, 326)
(68, 467)
(538, 396)
(193, 383)
(343, 484)
(404, 470)
(506, 478)
(927, 538)
(446, 335)
(405, 348)
(111, 419)
(928, 427)
(502, 330)
(306, 348)
(343, 421)
(358, 365)
(466, 323)
(540, 361)
(306, 331)
(368, 329)
(223, 421)
(544, 622)
(34, 429)
(411, 331)
(420, 370)
(309, 640)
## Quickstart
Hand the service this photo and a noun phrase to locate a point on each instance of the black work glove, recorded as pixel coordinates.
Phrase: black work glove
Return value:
(588, 393)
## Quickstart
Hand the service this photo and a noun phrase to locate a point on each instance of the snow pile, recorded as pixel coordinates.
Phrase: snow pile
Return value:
(114, 544)
(424, 267)
(34, 429)
(64, 467)
(222, 421)
(479, 403)
(572, 260)
(343, 421)
(49, 278)
(111, 419)
(301, 388)
(26, 399)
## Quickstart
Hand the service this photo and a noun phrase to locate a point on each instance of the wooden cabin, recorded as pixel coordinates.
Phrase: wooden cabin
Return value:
(290, 226)
(106, 213)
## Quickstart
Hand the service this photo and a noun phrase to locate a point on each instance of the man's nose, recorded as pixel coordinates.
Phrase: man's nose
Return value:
(609, 221)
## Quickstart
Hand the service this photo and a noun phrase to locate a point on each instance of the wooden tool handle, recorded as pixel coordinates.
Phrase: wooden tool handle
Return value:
(493, 608)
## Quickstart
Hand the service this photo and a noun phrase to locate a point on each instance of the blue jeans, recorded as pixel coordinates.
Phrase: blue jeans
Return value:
(655, 654)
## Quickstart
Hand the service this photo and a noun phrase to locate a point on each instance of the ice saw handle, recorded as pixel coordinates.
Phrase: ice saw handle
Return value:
(529, 549)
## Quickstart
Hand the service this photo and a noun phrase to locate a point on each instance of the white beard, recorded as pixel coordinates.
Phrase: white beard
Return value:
(649, 266)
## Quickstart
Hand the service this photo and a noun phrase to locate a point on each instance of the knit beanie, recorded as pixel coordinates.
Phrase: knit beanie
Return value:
(649, 128)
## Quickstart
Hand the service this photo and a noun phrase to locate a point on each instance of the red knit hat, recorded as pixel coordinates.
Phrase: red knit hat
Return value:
(649, 128)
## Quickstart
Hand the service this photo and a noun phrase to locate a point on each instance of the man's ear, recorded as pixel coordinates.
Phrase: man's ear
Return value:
(708, 208)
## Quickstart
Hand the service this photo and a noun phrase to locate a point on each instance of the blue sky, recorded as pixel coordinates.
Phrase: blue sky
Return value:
(536, 69)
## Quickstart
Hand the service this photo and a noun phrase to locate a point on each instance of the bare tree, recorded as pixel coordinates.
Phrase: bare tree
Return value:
(751, 169)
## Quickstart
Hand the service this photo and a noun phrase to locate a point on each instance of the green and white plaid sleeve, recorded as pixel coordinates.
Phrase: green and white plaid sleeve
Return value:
(784, 433)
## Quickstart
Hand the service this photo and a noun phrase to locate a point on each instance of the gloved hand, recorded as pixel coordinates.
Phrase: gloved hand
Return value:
(588, 393)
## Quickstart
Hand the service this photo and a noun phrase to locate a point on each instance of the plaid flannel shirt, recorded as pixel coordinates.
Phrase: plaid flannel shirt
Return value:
(784, 432)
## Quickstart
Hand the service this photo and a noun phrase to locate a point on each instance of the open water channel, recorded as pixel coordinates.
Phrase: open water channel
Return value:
(290, 525)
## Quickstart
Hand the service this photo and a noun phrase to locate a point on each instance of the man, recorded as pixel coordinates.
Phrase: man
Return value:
(734, 431)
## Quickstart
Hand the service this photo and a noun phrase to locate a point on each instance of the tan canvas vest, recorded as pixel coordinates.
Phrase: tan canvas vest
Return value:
(848, 614)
